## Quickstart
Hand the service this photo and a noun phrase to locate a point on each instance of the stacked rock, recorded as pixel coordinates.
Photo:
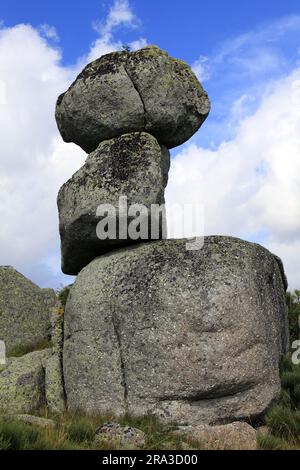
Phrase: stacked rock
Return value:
(127, 109)
(191, 336)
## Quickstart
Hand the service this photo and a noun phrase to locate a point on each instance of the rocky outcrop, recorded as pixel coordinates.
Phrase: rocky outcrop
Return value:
(25, 310)
(133, 166)
(35, 380)
(191, 336)
(22, 383)
(44, 423)
(121, 437)
(123, 92)
(233, 436)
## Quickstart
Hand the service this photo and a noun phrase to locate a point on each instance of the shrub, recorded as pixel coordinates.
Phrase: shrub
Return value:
(63, 294)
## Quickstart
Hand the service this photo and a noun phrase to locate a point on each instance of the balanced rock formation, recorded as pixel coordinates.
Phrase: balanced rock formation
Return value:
(134, 166)
(191, 336)
(124, 92)
(25, 310)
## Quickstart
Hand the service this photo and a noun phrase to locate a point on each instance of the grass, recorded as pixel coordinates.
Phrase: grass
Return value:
(22, 349)
(76, 432)
(283, 419)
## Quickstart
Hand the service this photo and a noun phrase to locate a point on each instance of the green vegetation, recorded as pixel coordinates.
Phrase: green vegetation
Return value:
(283, 419)
(23, 349)
(63, 294)
(77, 431)
(293, 302)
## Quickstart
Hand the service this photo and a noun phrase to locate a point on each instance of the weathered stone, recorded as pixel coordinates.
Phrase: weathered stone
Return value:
(54, 386)
(57, 322)
(24, 310)
(191, 336)
(123, 92)
(133, 166)
(233, 436)
(44, 423)
(174, 101)
(123, 437)
(22, 383)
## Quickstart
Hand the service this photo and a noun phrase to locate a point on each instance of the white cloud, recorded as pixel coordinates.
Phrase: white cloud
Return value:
(138, 44)
(250, 185)
(254, 55)
(34, 161)
(120, 15)
(201, 69)
(49, 32)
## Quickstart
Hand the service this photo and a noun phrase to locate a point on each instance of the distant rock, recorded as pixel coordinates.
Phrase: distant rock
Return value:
(133, 165)
(191, 336)
(22, 383)
(25, 310)
(124, 92)
(233, 436)
(32, 420)
(123, 437)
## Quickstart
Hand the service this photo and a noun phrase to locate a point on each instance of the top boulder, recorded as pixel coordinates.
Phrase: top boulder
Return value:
(123, 92)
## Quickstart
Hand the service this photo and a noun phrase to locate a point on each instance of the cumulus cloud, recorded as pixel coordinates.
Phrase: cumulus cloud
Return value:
(120, 15)
(250, 185)
(34, 161)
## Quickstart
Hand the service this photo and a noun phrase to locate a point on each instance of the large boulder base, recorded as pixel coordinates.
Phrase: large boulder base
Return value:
(124, 92)
(25, 310)
(194, 337)
(133, 165)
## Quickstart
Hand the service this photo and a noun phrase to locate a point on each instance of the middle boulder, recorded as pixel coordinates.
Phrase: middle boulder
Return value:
(130, 170)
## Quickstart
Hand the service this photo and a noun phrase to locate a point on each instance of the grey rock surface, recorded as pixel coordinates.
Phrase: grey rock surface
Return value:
(32, 420)
(54, 384)
(124, 92)
(22, 383)
(54, 388)
(123, 437)
(133, 165)
(191, 336)
(233, 436)
(25, 310)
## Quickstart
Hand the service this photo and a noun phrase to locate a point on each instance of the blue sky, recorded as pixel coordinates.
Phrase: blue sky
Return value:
(242, 164)
(186, 29)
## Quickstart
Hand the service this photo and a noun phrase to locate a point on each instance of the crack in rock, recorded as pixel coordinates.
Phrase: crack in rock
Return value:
(137, 90)
(122, 363)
